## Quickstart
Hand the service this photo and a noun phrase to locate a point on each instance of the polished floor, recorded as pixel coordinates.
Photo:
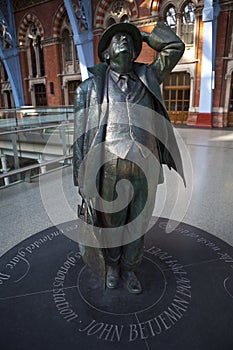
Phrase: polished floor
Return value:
(206, 202)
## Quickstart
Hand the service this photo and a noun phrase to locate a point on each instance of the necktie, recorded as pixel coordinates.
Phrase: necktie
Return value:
(123, 82)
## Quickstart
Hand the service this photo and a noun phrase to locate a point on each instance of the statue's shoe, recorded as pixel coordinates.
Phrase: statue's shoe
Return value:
(113, 276)
(131, 282)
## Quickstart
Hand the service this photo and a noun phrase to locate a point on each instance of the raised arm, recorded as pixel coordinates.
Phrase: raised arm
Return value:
(170, 47)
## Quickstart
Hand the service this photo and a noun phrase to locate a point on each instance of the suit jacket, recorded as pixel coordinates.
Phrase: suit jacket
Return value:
(91, 108)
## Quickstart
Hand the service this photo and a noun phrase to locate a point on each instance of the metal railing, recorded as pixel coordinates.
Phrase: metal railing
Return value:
(28, 169)
(29, 135)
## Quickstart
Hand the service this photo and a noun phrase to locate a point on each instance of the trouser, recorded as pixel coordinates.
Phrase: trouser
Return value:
(127, 255)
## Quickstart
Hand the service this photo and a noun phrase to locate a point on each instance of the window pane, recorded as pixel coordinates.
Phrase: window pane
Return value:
(40, 95)
(187, 25)
(181, 77)
(186, 94)
(171, 18)
(173, 94)
(124, 18)
(180, 94)
(186, 105)
(187, 79)
(177, 94)
(188, 15)
(173, 79)
(173, 106)
(72, 85)
(179, 106)
(110, 21)
(41, 55)
(33, 58)
(190, 28)
(188, 38)
(67, 45)
(166, 94)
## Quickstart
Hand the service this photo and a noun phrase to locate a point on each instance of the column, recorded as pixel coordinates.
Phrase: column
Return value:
(4, 169)
(9, 53)
(178, 23)
(43, 168)
(204, 117)
(83, 37)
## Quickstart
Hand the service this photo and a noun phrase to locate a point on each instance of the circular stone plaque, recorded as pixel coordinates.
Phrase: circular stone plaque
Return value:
(50, 300)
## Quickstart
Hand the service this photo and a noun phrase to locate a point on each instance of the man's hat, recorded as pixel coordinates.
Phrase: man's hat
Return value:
(123, 27)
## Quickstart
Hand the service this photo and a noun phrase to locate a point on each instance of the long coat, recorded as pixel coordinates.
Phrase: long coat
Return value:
(91, 110)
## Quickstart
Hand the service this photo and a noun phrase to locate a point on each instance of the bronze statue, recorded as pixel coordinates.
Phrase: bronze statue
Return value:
(104, 113)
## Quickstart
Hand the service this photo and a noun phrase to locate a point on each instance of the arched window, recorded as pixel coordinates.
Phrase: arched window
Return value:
(110, 21)
(36, 54)
(124, 18)
(119, 11)
(187, 23)
(70, 69)
(41, 55)
(67, 45)
(171, 18)
(33, 58)
(182, 22)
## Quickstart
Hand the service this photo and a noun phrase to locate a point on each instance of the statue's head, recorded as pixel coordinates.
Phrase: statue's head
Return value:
(120, 41)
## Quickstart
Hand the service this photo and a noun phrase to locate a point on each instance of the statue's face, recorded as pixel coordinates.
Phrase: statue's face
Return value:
(121, 43)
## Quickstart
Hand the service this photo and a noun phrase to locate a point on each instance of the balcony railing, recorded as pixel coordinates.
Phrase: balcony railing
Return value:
(34, 141)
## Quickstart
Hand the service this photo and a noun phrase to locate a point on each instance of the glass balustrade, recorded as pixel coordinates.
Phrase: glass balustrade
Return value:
(34, 141)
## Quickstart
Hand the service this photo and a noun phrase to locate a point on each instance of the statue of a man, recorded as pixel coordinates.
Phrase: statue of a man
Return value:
(105, 114)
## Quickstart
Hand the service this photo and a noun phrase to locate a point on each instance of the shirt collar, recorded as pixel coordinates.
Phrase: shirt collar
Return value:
(116, 76)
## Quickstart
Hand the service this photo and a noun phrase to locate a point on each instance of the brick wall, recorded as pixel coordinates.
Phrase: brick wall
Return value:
(220, 67)
(51, 71)
(52, 55)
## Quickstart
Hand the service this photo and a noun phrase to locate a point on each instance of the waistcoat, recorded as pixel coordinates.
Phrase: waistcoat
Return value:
(126, 105)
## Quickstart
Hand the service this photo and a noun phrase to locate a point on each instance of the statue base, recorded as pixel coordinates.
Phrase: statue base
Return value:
(49, 299)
